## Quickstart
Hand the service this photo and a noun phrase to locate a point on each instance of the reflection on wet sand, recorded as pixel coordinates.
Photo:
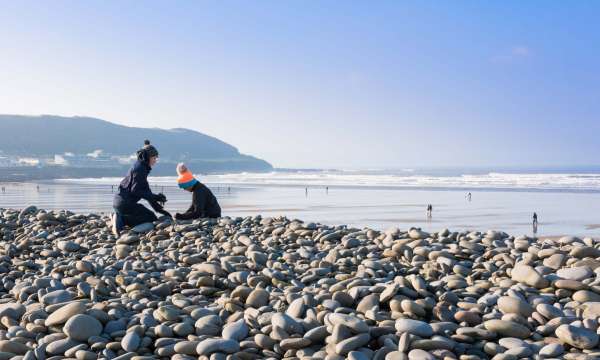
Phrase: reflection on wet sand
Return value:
(560, 213)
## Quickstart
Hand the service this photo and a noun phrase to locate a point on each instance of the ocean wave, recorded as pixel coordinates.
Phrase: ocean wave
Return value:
(491, 180)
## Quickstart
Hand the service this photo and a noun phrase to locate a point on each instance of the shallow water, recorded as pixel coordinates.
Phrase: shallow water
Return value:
(573, 213)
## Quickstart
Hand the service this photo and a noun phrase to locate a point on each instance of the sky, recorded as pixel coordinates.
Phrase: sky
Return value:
(322, 84)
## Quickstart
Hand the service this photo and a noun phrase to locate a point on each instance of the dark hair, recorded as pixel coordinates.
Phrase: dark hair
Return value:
(147, 151)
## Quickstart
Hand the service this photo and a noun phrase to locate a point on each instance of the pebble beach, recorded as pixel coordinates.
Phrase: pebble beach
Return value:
(279, 288)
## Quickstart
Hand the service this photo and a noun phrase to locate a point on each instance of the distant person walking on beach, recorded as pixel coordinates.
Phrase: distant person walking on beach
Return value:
(306, 191)
(135, 187)
(469, 197)
(429, 210)
(535, 223)
(204, 202)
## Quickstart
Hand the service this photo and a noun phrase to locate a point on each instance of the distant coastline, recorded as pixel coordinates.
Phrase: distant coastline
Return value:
(53, 147)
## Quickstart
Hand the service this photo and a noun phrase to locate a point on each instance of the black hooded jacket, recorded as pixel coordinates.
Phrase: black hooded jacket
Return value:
(204, 204)
(135, 184)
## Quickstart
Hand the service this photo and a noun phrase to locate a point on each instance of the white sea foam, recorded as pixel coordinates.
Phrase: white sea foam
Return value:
(402, 179)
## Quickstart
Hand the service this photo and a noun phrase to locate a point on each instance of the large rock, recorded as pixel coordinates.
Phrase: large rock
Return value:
(527, 275)
(418, 234)
(287, 323)
(552, 350)
(57, 297)
(209, 268)
(258, 298)
(68, 246)
(569, 284)
(548, 311)
(122, 251)
(297, 308)
(64, 313)
(367, 303)
(575, 273)
(143, 228)
(578, 337)
(131, 341)
(414, 327)
(591, 310)
(316, 335)
(418, 354)
(58, 347)
(555, 261)
(237, 330)
(81, 327)
(294, 343)
(584, 296)
(27, 211)
(354, 323)
(12, 310)
(14, 347)
(209, 346)
(186, 347)
(208, 325)
(507, 328)
(258, 257)
(513, 305)
(581, 252)
(352, 343)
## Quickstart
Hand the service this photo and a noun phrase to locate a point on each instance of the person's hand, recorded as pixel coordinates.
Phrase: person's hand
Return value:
(161, 198)
(156, 206)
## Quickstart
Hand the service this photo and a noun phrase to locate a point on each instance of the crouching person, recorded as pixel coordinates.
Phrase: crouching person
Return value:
(135, 187)
(204, 203)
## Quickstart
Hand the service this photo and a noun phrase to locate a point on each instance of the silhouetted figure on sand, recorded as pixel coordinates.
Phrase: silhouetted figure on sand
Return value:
(535, 222)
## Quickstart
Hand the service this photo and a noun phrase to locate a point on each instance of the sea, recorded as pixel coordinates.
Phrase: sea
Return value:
(566, 200)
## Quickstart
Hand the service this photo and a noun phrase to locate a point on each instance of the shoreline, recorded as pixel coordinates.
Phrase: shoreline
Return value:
(519, 182)
(279, 288)
(367, 187)
(509, 211)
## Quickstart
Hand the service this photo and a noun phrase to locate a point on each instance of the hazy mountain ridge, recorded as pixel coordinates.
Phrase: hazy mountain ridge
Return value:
(85, 142)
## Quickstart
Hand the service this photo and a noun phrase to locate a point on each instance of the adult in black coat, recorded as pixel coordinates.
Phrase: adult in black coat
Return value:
(135, 187)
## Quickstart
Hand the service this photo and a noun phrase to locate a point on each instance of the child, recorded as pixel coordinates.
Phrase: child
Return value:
(204, 203)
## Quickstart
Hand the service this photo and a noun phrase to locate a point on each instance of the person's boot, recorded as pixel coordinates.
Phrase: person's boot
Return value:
(117, 224)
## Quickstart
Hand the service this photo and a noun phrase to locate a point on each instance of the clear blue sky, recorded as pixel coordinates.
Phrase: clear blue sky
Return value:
(322, 83)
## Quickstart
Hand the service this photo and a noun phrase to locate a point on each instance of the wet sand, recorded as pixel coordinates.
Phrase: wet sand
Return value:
(560, 213)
